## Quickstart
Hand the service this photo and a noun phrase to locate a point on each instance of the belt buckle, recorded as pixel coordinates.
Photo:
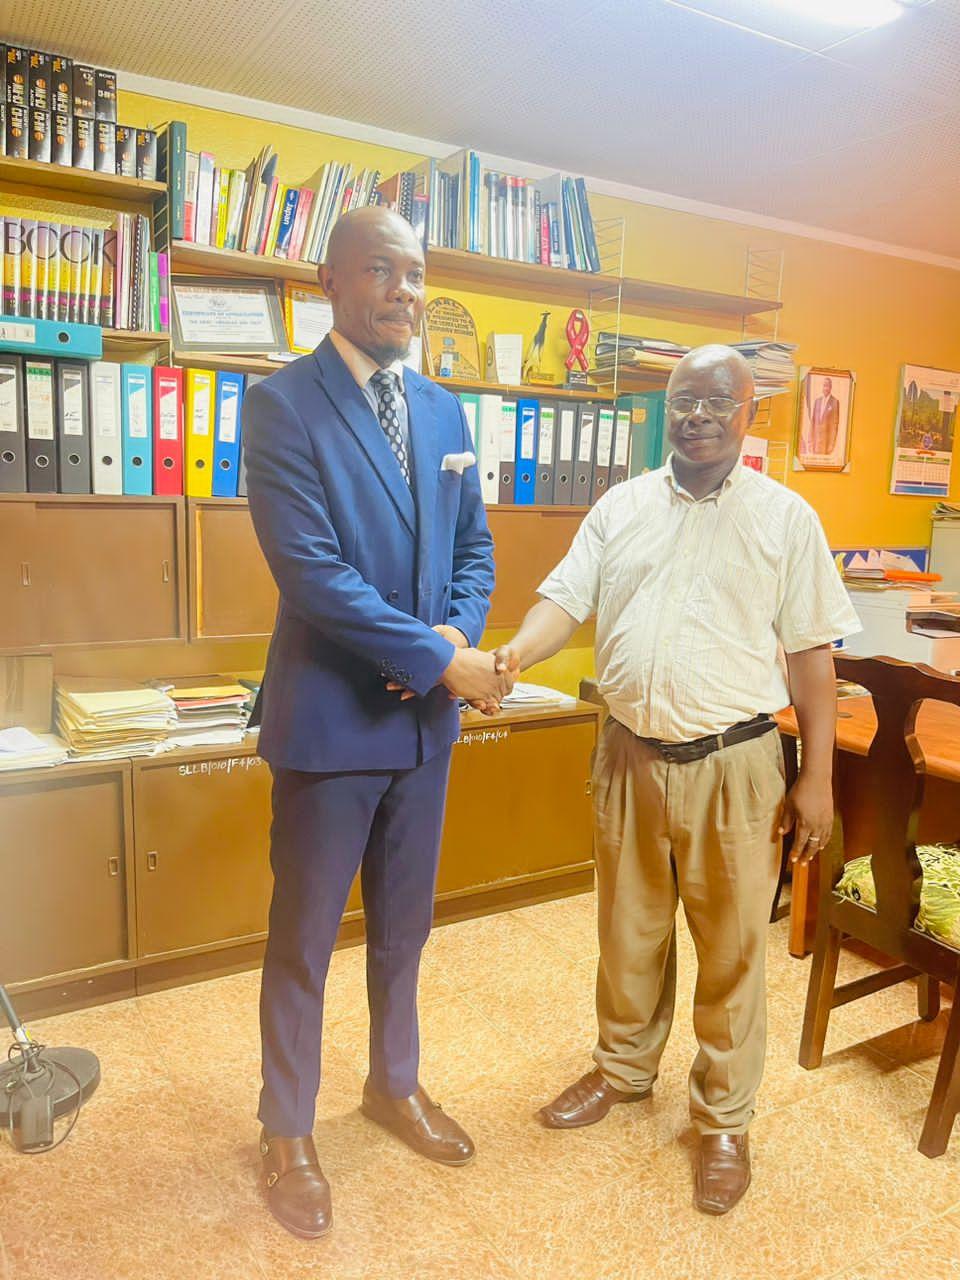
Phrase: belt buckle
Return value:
(677, 752)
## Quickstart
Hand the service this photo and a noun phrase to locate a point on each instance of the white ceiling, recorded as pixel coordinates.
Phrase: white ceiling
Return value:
(731, 102)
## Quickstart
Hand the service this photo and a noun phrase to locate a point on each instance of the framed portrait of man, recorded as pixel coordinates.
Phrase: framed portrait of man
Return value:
(824, 417)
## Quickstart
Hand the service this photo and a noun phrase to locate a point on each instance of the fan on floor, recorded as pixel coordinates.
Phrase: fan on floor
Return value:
(38, 1085)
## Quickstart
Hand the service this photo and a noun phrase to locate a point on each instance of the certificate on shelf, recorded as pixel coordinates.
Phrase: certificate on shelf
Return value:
(308, 315)
(224, 315)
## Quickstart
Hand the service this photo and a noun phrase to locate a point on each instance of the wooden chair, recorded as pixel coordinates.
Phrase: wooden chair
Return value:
(886, 813)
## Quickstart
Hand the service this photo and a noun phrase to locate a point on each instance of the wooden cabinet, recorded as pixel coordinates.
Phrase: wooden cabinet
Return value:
(528, 543)
(66, 902)
(156, 871)
(519, 806)
(232, 594)
(202, 849)
(91, 570)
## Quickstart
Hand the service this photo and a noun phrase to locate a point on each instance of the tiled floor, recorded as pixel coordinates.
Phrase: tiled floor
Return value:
(159, 1179)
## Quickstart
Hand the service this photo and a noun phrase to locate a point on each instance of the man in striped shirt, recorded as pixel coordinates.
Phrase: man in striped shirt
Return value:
(716, 601)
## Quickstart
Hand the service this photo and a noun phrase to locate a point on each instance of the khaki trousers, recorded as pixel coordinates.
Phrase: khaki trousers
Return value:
(706, 833)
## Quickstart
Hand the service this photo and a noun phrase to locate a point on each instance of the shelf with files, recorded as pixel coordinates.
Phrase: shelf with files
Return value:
(482, 274)
(77, 182)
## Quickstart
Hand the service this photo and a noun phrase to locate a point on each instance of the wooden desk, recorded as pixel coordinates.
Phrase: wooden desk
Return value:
(938, 732)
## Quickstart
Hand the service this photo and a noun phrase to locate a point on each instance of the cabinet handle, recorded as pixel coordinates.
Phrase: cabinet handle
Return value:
(152, 860)
(25, 574)
(588, 788)
(113, 866)
(165, 570)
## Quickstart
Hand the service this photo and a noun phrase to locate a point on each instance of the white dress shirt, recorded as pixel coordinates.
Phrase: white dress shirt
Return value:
(697, 600)
(362, 369)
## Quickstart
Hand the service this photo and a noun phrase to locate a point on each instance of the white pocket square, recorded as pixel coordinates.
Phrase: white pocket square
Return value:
(458, 462)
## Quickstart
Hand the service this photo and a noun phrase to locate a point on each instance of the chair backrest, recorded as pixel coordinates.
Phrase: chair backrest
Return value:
(888, 814)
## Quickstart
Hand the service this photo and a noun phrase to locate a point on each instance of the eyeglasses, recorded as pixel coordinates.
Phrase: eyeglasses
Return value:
(719, 406)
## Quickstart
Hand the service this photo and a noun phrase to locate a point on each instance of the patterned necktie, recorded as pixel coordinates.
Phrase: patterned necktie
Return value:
(388, 412)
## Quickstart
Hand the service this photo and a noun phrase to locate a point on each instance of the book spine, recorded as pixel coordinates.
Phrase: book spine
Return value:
(223, 207)
(12, 248)
(28, 269)
(154, 273)
(191, 183)
(288, 217)
(138, 273)
(163, 273)
(95, 300)
(109, 277)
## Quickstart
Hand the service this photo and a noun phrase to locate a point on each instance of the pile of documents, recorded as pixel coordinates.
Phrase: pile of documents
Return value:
(635, 354)
(772, 363)
(880, 568)
(107, 719)
(536, 695)
(947, 511)
(21, 749)
(210, 710)
(774, 371)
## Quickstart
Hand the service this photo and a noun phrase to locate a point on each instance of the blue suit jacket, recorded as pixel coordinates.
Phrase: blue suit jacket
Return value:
(365, 567)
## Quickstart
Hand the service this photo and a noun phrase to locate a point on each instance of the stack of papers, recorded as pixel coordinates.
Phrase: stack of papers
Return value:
(883, 568)
(107, 720)
(21, 749)
(774, 372)
(210, 710)
(947, 511)
(536, 695)
(629, 352)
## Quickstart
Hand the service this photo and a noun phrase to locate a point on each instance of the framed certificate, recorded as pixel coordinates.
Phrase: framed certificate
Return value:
(214, 313)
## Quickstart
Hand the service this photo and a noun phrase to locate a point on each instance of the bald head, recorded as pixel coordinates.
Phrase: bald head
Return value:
(374, 278)
(715, 361)
(363, 228)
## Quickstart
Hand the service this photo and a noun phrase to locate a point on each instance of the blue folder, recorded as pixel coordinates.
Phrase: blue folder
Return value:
(136, 420)
(226, 444)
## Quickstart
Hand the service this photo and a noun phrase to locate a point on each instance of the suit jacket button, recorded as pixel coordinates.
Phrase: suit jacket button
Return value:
(394, 595)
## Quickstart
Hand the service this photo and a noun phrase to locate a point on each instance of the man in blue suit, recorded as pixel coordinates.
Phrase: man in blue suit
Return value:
(366, 500)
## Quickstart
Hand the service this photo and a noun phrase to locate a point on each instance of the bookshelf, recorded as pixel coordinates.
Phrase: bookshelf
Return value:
(261, 364)
(452, 267)
(77, 182)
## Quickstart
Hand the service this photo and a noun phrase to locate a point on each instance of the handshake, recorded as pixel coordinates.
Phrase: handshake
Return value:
(482, 679)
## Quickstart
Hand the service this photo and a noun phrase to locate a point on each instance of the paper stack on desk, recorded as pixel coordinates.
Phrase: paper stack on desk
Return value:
(536, 695)
(109, 719)
(21, 749)
(211, 710)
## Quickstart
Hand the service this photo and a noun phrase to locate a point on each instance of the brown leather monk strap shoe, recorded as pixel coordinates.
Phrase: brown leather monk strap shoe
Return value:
(421, 1124)
(297, 1192)
(586, 1101)
(722, 1172)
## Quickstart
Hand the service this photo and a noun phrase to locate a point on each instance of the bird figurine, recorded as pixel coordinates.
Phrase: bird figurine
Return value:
(534, 353)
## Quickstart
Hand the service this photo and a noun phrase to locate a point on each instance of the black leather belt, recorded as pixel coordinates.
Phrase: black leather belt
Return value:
(685, 752)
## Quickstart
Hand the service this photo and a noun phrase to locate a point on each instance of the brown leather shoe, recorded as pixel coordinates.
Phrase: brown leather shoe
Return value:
(723, 1171)
(297, 1192)
(586, 1101)
(421, 1124)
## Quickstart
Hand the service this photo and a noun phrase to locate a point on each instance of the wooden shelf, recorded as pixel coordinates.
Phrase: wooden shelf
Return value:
(481, 274)
(261, 364)
(156, 337)
(34, 173)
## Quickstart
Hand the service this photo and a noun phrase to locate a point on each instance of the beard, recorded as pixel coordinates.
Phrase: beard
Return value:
(385, 355)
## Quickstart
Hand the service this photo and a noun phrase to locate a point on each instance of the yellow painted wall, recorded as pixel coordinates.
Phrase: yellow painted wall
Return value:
(846, 308)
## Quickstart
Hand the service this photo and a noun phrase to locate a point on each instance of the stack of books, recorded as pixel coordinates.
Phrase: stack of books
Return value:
(84, 273)
(251, 210)
(210, 710)
(108, 720)
(546, 221)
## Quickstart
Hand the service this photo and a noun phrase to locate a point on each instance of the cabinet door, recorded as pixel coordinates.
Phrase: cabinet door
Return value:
(108, 573)
(19, 612)
(527, 545)
(518, 804)
(232, 593)
(63, 905)
(203, 851)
